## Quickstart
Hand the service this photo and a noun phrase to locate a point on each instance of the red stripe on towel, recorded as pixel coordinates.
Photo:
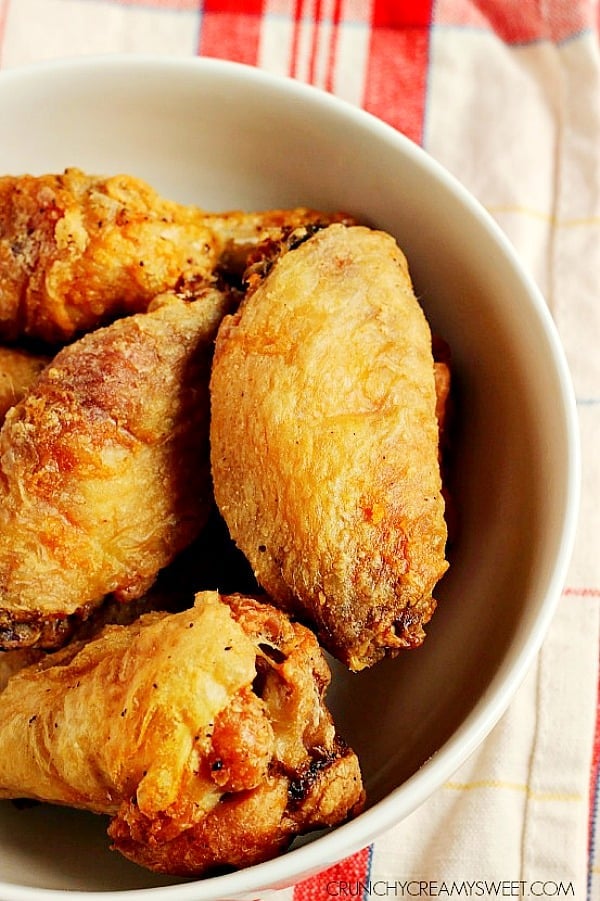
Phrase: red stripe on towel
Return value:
(396, 82)
(231, 30)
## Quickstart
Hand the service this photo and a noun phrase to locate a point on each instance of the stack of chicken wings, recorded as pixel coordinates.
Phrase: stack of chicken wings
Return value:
(161, 365)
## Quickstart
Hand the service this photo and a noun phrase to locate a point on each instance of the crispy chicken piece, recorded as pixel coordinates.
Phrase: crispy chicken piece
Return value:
(324, 442)
(78, 250)
(203, 735)
(18, 371)
(104, 468)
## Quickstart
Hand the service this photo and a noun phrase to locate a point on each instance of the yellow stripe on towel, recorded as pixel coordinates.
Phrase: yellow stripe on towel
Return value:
(514, 786)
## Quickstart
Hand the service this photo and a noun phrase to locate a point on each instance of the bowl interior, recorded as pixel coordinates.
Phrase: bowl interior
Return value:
(224, 137)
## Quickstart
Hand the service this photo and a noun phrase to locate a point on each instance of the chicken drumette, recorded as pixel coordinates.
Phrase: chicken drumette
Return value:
(203, 734)
(104, 467)
(324, 441)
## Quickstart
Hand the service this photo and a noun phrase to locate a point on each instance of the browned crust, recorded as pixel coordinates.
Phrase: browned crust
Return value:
(325, 442)
(34, 632)
(311, 781)
(203, 734)
(104, 468)
(77, 250)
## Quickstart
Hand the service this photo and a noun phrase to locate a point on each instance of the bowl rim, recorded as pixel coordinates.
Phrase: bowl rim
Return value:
(347, 839)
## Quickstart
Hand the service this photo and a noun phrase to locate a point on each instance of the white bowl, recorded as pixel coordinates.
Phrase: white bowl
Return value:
(226, 136)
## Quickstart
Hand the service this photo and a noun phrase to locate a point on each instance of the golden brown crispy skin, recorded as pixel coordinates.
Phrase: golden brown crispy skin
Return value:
(18, 371)
(203, 734)
(77, 250)
(324, 442)
(104, 467)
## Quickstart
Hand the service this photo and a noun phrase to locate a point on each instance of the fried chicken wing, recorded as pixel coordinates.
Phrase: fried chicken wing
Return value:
(104, 468)
(324, 442)
(77, 250)
(203, 734)
(18, 371)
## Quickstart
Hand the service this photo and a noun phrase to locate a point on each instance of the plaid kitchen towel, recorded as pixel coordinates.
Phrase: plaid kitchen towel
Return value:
(507, 96)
